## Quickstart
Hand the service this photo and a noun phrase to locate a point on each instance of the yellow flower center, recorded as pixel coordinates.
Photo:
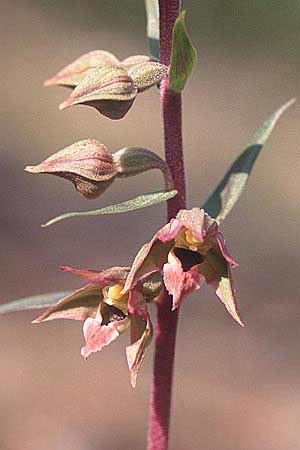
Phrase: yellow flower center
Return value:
(191, 240)
(115, 293)
(113, 296)
(186, 239)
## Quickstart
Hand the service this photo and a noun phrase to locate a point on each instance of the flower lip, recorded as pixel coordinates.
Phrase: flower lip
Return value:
(112, 314)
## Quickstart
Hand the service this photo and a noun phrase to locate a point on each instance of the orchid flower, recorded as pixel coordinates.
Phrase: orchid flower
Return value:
(107, 312)
(189, 251)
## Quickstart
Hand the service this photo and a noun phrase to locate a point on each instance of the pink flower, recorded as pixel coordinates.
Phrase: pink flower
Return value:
(107, 312)
(189, 251)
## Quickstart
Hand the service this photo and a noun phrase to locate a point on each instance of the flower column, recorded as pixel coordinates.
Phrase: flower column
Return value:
(166, 319)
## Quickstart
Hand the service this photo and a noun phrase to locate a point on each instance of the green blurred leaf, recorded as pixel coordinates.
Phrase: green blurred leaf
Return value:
(143, 201)
(223, 199)
(34, 302)
(152, 11)
(183, 56)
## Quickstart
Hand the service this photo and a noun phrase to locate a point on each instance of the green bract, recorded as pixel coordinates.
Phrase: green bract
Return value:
(183, 56)
(142, 201)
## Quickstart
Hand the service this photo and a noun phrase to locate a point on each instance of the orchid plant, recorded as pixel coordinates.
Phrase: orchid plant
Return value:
(188, 251)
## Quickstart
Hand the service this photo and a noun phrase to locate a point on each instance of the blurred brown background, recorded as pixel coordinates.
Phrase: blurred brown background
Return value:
(235, 389)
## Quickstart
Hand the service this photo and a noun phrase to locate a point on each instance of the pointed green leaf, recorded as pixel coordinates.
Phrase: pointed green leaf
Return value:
(223, 199)
(152, 11)
(143, 201)
(183, 56)
(34, 302)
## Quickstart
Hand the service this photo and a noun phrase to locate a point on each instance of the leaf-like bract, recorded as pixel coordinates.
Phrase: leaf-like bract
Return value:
(183, 56)
(34, 302)
(142, 201)
(227, 193)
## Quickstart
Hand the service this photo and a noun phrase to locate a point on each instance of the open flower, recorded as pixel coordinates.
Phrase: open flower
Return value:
(107, 312)
(189, 251)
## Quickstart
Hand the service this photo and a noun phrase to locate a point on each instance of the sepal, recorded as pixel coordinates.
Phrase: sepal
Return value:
(74, 73)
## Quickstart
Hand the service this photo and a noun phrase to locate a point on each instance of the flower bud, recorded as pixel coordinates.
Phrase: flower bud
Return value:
(131, 61)
(147, 74)
(88, 164)
(74, 73)
(108, 88)
(131, 161)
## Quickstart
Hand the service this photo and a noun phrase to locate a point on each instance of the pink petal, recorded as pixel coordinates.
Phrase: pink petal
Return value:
(137, 305)
(153, 254)
(136, 351)
(169, 231)
(98, 336)
(194, 220)
(224, 250)
(102, 278)
(200, 223)
(179, 283)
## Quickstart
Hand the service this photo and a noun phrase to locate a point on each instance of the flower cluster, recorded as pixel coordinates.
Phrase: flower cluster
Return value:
(111, 86)
(185, 253)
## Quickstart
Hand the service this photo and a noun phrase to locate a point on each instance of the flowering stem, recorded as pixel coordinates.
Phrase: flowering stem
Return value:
(166, 319)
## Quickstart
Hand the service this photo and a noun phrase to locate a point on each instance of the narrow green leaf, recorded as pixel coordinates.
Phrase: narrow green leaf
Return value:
(227, 193)
(34, 302)
(143, 201)
(183, 56)
(152, 12)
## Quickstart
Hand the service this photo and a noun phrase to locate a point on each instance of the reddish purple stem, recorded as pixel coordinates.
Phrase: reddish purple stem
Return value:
(165, 334)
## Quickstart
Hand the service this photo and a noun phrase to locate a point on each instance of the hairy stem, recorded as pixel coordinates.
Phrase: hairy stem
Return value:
(166, 327)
